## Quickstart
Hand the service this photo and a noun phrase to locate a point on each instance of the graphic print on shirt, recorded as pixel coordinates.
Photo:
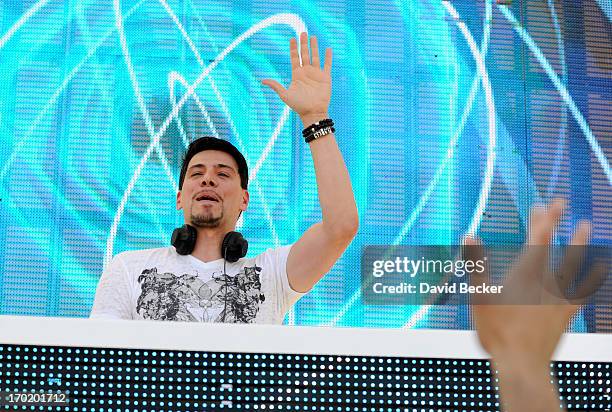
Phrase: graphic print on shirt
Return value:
(224, 298)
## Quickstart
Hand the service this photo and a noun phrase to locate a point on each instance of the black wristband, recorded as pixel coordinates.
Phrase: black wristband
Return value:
(319, 133)
(318, 129)
(313, 127)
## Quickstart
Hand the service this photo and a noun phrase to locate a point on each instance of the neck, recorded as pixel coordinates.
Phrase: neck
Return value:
(208, 243)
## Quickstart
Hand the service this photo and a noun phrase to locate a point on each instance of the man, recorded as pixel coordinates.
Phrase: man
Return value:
(162, 284)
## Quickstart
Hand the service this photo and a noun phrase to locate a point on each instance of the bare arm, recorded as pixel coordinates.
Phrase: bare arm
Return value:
(322, 244)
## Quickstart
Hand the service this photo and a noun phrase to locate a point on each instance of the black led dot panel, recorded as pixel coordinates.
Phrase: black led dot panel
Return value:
(97, 379)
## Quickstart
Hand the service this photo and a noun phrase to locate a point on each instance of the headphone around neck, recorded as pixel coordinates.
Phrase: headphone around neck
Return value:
(233, 247)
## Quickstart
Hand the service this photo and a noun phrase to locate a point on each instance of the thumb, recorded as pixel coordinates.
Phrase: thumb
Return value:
(276, 86)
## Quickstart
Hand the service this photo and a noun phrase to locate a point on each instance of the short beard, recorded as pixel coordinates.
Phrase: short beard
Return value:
(206, 221)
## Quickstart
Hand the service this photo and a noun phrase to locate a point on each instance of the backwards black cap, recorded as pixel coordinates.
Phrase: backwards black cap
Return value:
(212, 143)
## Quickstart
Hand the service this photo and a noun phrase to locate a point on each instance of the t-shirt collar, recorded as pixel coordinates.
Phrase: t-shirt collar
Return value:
(197, 262)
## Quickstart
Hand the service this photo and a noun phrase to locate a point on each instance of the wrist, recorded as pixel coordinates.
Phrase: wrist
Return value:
(318, 129)
(520, 366)
(525, 387)
(311, 118)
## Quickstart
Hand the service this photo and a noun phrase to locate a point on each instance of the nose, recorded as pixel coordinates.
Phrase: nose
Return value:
(208, 179)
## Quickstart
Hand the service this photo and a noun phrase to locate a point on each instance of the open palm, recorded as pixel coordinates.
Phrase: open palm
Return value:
(309, 92)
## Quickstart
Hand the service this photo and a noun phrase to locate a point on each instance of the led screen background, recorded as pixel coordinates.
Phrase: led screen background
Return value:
(439, 137)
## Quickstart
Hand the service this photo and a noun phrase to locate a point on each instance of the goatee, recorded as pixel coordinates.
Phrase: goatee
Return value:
(206, 221)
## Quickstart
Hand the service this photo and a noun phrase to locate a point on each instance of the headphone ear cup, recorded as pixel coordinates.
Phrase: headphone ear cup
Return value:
(234, 246)
(184, 239)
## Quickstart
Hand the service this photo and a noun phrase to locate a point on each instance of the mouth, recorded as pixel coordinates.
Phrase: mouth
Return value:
(207, 198)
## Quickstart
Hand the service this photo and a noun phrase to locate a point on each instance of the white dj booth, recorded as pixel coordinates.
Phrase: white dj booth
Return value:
(218, 337)
(174, 366)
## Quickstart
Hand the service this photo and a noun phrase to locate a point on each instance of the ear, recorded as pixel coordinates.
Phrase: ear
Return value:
(179, 206)
(245, 200)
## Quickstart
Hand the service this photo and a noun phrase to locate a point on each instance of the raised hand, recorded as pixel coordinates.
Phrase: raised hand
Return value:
(521, 338)
(309, 92)
(532, 313)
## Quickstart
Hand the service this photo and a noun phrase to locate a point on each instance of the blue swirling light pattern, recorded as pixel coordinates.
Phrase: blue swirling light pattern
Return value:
(453, 117)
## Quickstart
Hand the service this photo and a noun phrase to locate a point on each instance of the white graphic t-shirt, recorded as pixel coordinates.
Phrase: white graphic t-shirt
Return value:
(160, 284)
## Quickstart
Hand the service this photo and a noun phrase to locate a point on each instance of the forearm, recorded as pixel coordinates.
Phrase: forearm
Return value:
(525, 386)
(336, 196)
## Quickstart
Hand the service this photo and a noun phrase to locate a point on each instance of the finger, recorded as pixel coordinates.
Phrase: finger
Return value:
(474, 251)
(552, 219)
(555, 212)
(293, 52)
(582, 234)
(304, 49)
(314, 50)
(536, 228)
(328, 61)
(276, 86)
(543, 221)
(574, 257)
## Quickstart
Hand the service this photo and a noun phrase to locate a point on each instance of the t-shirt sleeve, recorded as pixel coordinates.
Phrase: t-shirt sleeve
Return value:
(112, 300)
(287, 297)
